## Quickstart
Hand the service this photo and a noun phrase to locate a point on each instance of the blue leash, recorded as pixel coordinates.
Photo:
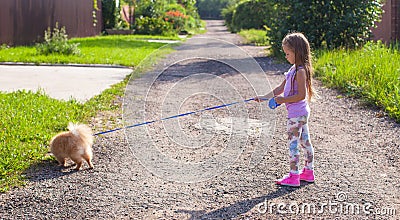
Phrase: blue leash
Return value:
(272, 104)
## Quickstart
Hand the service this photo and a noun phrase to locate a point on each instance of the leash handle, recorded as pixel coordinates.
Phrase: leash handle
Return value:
(272, 104)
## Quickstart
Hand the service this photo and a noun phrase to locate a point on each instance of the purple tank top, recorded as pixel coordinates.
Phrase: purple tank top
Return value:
(295, 109)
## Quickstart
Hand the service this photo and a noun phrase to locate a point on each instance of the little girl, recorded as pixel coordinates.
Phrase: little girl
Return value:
(297, 90)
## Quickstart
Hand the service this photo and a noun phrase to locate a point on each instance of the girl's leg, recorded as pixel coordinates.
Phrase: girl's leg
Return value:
(295, 129)
(307, 148)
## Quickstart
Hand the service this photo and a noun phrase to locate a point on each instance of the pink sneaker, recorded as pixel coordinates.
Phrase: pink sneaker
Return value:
(307, 175)
(290, 180)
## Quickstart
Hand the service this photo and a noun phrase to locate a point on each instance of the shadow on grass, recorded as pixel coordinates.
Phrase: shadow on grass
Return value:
(240, 207)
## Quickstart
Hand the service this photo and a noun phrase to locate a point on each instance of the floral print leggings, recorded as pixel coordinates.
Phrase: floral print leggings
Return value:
(298, 133)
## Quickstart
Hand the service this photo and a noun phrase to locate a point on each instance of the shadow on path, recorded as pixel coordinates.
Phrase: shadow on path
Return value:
(46, 170)
(240, 207)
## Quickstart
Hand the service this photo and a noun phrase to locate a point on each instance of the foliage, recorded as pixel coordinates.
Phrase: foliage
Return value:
(150, 8)
(166, 17)
(109, 13)
(261, 11)
(327, 24)
(190, 7)
(371, 73)
(56, 41)
(153, 26)
(227, 14)
(212, 8)
(177, 19)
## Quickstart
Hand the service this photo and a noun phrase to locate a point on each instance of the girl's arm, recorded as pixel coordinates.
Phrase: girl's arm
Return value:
(302, 88)
(277, 91)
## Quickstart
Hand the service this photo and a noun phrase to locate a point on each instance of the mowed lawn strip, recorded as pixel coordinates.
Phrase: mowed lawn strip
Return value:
(125, 50)
(28, 119)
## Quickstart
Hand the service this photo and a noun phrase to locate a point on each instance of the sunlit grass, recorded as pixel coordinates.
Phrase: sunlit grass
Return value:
(371, 73)
(28, 120)
(256, 37)
(126, 50)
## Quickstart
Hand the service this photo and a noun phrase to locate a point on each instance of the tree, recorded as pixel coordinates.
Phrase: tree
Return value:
(109, 11)
(212, 8)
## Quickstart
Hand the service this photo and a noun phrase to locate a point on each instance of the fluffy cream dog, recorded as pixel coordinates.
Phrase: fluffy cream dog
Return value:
(75, 144)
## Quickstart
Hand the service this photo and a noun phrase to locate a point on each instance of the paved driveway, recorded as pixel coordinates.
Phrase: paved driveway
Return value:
(61, 82)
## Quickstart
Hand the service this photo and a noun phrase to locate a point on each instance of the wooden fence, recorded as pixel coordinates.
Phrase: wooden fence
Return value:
(23, 22)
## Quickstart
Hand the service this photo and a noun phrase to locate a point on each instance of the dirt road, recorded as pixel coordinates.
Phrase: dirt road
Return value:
(221, 163)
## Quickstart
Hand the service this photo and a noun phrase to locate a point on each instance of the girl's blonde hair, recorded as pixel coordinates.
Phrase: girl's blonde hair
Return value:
(300, 46)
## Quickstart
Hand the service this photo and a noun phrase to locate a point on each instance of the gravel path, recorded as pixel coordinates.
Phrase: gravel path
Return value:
(221, 164)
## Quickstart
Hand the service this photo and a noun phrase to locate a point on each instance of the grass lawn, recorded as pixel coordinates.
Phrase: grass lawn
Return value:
(126, 50)
(28, 120)
(253, 36)
(371, 73)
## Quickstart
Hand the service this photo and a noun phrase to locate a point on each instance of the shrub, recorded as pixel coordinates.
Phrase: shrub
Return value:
(150, 8)
(177, 19)
(227, 14)
(327, 24)
(252, 14)
(109, 13)
(166, 17)
(212, 8)
(56, 41)
(153, 26)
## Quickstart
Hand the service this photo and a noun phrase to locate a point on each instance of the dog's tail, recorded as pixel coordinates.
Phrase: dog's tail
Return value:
(82, 131)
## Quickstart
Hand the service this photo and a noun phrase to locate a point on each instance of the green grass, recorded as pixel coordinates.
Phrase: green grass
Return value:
(253, 36)
(28, 120)
(126, 50)
(371, 73)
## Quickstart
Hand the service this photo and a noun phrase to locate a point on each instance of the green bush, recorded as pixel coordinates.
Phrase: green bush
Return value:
(166, 17)
(227, 14)
(109, 13)
(260, 12)
(154, 26)
(56, 41)
(212, 8)
(190, 7)
(150, 8)
(326, 23)
(177, 20)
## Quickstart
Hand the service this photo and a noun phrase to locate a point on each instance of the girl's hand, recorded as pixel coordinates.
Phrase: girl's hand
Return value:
(259, 99)
(279, 100)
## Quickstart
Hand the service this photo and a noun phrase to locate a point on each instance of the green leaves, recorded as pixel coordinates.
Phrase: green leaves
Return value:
(56, 42)
(164, 17)
(249, 15)
(327, 24)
